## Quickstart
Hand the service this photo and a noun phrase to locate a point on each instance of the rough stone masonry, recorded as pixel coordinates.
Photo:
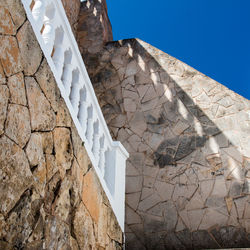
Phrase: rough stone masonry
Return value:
(50, 196)
(188, 175)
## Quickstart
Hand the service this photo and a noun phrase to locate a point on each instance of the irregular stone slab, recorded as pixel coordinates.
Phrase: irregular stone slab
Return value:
(17, 89)
(42, 116)
(137, 123)
(132, 217)
(92, 202)
(129, 105)
(29, 48)
(186, 146)
(195, 217)
(62, 202)
(15, 175)
(238, 237)
(4, 97)
(6, 24)
(212, 218)
(17, 125)
(79, 151)
(201, 239)
(132, 68)
(22, 219)
(63, 149)
(165, 190)
(149, 202)
(17, 11)
(180, 127)
(83, 228)
(10, 55)
(63, 117)
(133, 184)
(133, 200)
(57, 233)
(48, 85)
(34, 149)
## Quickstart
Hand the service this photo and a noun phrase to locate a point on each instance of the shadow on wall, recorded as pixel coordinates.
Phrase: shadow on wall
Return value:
(188, 137)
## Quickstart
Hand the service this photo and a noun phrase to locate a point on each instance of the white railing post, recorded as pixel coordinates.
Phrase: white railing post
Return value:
(38, 12)
(67, 77)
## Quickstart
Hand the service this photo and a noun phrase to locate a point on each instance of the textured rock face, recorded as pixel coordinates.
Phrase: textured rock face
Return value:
(94, 28)
(50, 195)
(188, 137)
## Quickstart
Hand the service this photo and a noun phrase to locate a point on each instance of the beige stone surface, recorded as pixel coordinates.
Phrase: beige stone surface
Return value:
(47, 84)
(29, 48)
(6, 24)
(34, 149)
(16, 176)
(17, 125)
(17, 89)
(10, 55)
(92, 202)
(42, 116)
(63, 149)
(83, 228)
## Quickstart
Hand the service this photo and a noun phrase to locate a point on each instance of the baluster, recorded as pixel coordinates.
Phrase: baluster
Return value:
(58, 56)
(75, 91)
(38, 12)
(67, 71)
(67, 77)
(48, 32)
(102, 155)
(96, 145)
(89, 132)
(82, 113)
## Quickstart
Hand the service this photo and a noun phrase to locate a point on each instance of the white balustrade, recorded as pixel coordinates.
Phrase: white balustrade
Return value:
(58, 44)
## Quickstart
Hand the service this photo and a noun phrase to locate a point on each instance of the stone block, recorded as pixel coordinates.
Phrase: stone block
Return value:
(63, 149)
(42, 116)
(149, 202)
(133, 184)
(165, 190)
(132, 217)
(92, 202)
(133, 200)
(10, 55)
(16, 176)
(17, 125)
(47, 83)
(17, 89)
(7, 26)
(29, 48)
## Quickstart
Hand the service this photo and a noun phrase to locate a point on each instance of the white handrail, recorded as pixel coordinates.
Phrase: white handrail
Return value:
(54, 34)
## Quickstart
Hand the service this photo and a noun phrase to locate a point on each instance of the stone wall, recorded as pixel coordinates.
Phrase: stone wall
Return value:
(188, 175)
(50, 195)
(94, 28)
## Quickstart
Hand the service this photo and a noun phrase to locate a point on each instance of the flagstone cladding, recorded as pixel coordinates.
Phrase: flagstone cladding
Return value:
(187, 179)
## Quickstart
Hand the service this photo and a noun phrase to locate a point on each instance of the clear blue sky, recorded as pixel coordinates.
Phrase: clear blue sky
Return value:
(213, 36)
